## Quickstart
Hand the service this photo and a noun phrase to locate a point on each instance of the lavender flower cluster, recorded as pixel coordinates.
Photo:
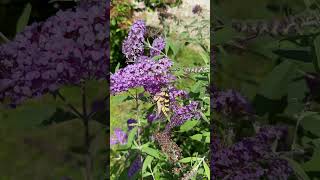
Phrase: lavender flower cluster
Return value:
(119, 137)
(150, 74)
(68, 47)
(135, 167)
(145, 72)
(175, 93)
(133, 45)
(182, 114)
(230, 103)
(157, 46)
(251, 158)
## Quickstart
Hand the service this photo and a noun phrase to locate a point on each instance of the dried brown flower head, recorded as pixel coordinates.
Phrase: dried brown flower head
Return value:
(168, 146)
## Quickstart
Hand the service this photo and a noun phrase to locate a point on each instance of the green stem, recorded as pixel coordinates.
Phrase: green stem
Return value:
(138, 119)
(73, 109)
(4, 37)
(87, 143)
(300, 117)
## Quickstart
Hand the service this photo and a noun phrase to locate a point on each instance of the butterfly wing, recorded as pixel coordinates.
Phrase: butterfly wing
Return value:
(162, 100)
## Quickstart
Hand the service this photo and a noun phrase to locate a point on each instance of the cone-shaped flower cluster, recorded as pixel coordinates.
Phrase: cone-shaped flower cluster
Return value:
(230, 103)
(150, 74)
(135, 167)
(119, 137)
(68, 47)
(182, 114)
(157, 46)
(251, 158)
(133, 45)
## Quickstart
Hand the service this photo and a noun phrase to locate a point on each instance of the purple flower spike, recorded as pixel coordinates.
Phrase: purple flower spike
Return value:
(251, 158)
(182, 114)
(151, 117)
(175, 93)
(135, 167)
(157, 46)
(133, 45)
(67, 48)
(148, 74)
(119, 137)
(230, 102)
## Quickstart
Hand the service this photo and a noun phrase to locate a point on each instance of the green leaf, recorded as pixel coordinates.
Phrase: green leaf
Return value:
(295, 54)
(196, 87)
(275, 85)
(146, 174)
(152, 152)
(188, 125)
(197, 137)
(205, 117)
(313, 164)
(207, 140)
(205, 57)
(297, 90)
(59, 116)
(311, 123)
(174, 46)
(131, 136)
(24, 18)
(297, 168)
(296, 94)
(72, 94)
(28, 115)
(117, 67)
(95, 90)
(189, 159)
(147, 163)
(225, 35)
(206, 169)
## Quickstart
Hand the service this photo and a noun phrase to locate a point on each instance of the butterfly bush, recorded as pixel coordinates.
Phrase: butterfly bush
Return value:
(133, 45)
(66, 48)
(182, 114)
(149, 74)
(119, 137)
(153, 75)
(229, 102)
(157, 46)
(251, 158)
(135, 167)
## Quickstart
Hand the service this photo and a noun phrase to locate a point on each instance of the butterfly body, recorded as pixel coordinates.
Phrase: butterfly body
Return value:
(163, 102)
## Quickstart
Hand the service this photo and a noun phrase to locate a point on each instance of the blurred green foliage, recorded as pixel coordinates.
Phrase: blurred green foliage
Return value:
(153, 4)
(11, 11)
(120, 21)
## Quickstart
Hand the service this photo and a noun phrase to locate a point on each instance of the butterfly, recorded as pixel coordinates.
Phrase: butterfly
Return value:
(162, 100)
